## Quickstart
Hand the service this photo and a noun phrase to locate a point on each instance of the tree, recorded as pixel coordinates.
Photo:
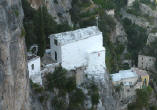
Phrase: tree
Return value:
(39, 24)
(77, 98)
(39, 31)
(137, 37)
(94, 93)
(142, 99)
(57, 79)
(153, 107)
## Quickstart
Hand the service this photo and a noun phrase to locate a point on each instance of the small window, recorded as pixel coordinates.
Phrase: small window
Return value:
(149, 59)
(32, 66)
(142, 58)
(56, 56)
(130, 83)
(55, 41)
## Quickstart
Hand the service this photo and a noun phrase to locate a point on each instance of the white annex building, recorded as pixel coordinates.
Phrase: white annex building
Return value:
(129, 81)
(79, 48)
(127, 77)
(34, 68)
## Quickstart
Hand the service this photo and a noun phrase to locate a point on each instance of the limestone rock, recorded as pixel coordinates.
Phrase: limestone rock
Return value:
(59, 9)
(14, 86)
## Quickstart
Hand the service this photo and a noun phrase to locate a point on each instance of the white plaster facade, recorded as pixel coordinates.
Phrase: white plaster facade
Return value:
(146, 62)
(96, 62)
(126, 77)
(34, 67)
(79, 48)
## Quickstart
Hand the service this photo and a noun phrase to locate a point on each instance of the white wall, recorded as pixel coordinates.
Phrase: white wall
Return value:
(55, 48)
(96, 62)
(133, 80)
(36, 62)
(75, 54)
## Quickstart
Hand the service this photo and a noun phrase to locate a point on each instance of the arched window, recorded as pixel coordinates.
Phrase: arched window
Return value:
(145, 82)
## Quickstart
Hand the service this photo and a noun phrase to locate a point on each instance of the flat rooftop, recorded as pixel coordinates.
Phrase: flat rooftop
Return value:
(123, 74)
(140, 72)
(71, 36)
(31, 57)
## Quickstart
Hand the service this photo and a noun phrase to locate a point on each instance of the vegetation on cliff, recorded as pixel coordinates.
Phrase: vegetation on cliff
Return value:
(38, 25)
(137, 37)
(142, 99)
(66, 94)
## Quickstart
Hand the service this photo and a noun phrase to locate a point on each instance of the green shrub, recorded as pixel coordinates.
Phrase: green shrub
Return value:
(41, 98)
(107, 4)
(153, 107)
(137, 37)
(154, 30)
(23, 33)
(55, 1)
(152, 5)
(56, 79)
(36, 87)
(58, 103)
(132, 106)
(133, 12)
(16, 13)
(125, 66)
(77, 98)
(136, 5)
(70, 84)
(118, 88)
(94, 93)
(142, 99)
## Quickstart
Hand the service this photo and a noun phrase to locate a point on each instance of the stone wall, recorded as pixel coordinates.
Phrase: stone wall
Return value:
(151, 37)
(146, 62)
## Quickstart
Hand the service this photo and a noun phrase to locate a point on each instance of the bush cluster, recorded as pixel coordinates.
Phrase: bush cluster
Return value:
(142, 99)
(66, 85)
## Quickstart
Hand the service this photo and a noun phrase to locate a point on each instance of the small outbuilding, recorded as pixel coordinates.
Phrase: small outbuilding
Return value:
(34, 68)
(126, 77)
(146, 62)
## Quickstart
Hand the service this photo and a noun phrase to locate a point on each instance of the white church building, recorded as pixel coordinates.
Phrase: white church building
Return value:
(79, 48)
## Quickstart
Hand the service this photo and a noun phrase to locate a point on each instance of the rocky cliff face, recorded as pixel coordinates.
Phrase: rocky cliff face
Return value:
(108, 99)
(14, 91)
(59, 9)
